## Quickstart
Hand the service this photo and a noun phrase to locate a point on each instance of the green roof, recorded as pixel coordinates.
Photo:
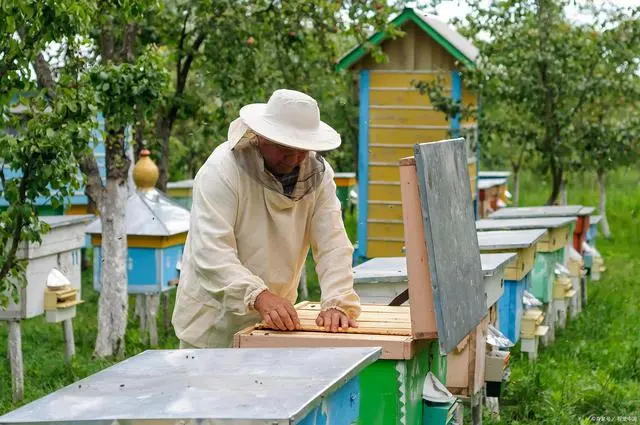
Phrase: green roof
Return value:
(454, 43)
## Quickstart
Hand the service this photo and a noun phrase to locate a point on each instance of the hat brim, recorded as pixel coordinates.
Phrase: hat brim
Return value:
(324, 138)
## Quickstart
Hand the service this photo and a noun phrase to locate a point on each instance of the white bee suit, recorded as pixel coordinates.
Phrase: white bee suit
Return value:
(245, 238)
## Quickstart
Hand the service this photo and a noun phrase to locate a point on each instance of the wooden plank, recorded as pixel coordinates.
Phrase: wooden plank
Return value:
(387, 173)
(390, 116)
(380, 191)
(398, 97)
(406, 135)
(369, 328)
(365, 308)
(555, 239)
(394, 347)
(405, 79)
(385, 211)
(422, 304)
(385, 230)
(379, 248)
(367, 317)
(469, 97)
(451, 239)
(389, 153)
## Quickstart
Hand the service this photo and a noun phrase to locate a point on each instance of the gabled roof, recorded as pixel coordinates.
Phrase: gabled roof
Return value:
(454, 43)
(150, 213)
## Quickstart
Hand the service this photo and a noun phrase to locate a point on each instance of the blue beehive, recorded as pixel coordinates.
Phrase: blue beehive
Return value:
(157, 229)
(510, 308)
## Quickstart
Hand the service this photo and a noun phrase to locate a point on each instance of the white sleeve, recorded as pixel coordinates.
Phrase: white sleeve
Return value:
(214, 250)
(332, 251)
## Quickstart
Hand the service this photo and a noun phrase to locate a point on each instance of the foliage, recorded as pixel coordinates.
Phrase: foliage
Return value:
(40, 131)
(541, 77)
(232, 54)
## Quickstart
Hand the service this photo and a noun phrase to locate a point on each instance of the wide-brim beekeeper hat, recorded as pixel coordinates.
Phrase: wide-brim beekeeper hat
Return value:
(291, 118)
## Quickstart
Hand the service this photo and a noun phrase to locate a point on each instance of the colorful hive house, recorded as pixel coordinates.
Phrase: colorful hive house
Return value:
(157, 229)
(394, 116)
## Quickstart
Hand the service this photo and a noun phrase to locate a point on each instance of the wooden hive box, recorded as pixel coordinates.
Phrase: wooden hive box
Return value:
(446, 300)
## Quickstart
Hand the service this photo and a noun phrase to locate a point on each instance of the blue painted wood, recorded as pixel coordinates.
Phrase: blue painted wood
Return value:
(341, 407)
(149, 270)
(510, 308)
(363, 164)
(592, 232)
(456, 96)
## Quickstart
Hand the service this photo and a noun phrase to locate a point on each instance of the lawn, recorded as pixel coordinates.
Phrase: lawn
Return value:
(592, 369)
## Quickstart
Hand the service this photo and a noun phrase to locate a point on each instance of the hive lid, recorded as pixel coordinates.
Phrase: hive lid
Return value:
(546, 211)
(509, 239)
(451, 240)
(208, 386)
(524, 223)
(150, 213)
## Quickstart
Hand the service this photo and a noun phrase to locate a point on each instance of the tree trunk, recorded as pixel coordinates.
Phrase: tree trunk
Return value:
(563, 192)
(164, 132)
(516, 186)
(15, 360)
(113, 304)
(556, 175)
(602, 206)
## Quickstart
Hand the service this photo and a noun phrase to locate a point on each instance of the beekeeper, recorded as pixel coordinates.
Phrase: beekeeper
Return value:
(261, 199)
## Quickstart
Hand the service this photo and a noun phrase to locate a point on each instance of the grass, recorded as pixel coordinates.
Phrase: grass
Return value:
(592, 369)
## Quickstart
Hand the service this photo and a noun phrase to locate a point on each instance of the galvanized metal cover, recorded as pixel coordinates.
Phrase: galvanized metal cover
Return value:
(215, 386)
(487, 183)
(451, 240)
(381, 270)
(548, 211)
(509, 239)
(493, 262)
(523, 223)
(181, 184)
(394, 269)
(493, 174)
(151, 213)
(65, 220)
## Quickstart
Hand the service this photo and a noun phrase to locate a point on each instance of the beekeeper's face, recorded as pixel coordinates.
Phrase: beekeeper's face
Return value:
(280, 159)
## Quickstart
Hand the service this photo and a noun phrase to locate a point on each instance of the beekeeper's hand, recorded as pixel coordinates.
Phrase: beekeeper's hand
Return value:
(332, 319)
(277, 312)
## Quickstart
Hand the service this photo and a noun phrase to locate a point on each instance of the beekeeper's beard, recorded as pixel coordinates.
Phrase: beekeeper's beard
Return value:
(305, 178)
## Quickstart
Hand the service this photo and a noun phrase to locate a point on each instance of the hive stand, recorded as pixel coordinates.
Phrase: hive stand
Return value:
(60, 248)
(446, 301)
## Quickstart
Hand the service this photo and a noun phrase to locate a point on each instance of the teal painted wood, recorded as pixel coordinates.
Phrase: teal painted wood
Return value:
(363, 166)
(436, 414)
(456, 96)
(341, 408)
(510, 308)
(542, 274)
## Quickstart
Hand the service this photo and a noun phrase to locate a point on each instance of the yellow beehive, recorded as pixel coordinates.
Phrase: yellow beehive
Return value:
(531, 320)
(394, 116)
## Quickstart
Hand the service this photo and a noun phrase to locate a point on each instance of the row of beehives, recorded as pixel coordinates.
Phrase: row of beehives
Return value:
(442, 334)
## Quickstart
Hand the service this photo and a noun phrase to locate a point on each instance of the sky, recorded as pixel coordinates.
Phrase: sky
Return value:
(458, 8)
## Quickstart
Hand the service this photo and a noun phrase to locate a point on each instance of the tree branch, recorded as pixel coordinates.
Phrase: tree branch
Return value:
(94, 188)
(183, 34)
(128, 42)
(17, 231)
(106, 43)
(44, 74)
